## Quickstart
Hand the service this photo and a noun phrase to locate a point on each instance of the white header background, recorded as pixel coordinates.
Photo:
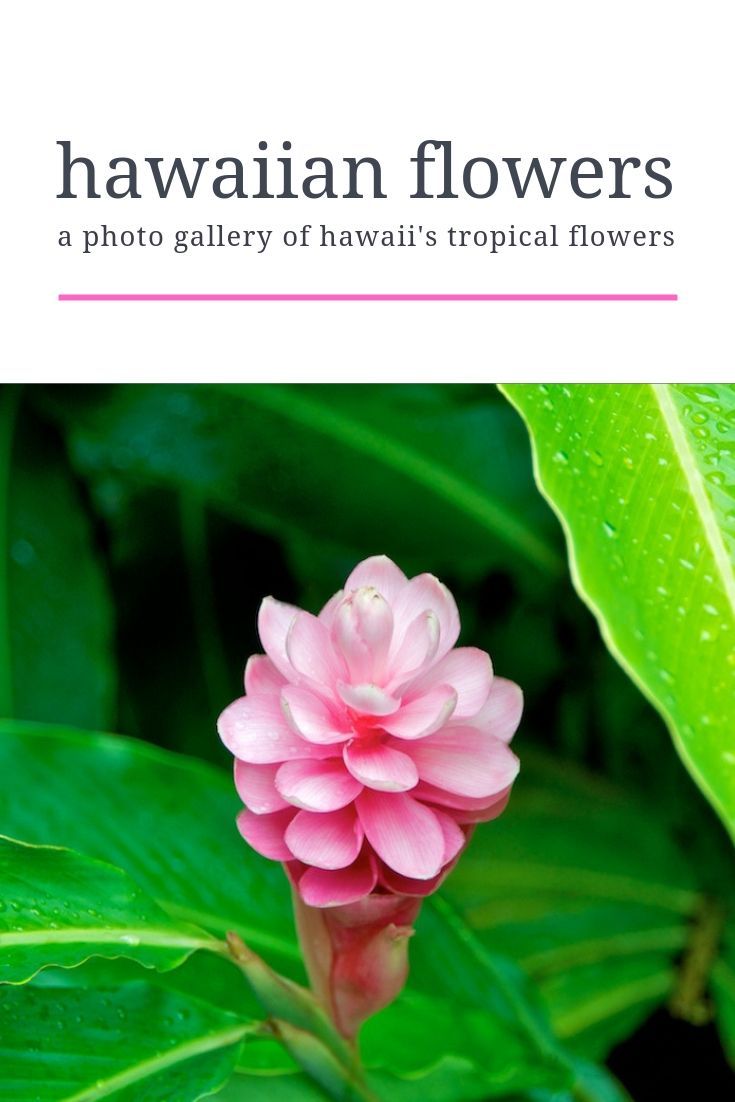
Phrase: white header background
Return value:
(145, 79)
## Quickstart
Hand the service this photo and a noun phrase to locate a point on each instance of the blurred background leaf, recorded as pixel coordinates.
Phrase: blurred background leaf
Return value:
(287, 459)
(56, 614)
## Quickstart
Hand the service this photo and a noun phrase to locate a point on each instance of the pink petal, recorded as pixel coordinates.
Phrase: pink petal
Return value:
(465, 761)
(381, 573)
(501, 714)
(418, 647)
(379, 766)
(327, 613)
(454, 838)
(317, 785)
(328, 840)
(265, 833)
(403, 832)
(310, 651)
(361, 631)
(255, 730)
(406, 885)
(368, 699)
(311, 717)
(262, 677)
(470, 673)
(430, 794)
(256, 787)
(274, 620)
(484, 814)
(326, 888)
(423, 715)
(421, 594)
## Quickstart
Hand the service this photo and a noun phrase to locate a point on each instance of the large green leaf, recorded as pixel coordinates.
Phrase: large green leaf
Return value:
(55, 610)
(138, 1043)
(58, 908)
(420, 466)
(643, 480)
(598, 917)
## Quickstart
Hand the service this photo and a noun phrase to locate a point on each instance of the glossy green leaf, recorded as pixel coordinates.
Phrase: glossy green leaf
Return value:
(55, 610)
(436, 467)
(59, 908)
(167, 820)
(643, 480)
(138, 1043)
(206, 976)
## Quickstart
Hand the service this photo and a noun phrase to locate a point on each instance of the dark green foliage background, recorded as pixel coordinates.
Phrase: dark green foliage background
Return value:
(141, 529)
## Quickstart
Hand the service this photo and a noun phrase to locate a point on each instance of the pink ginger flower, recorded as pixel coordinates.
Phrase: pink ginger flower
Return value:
(368, 745)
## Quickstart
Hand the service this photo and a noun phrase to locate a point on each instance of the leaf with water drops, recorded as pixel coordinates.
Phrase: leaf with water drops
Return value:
(167, 820)
(642, 478)
(59, 908)
(138, 1043)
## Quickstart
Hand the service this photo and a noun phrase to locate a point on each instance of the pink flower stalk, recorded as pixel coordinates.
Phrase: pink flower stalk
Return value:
(368, 745)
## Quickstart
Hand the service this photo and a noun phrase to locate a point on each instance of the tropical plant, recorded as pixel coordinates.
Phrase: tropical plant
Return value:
(148, 955)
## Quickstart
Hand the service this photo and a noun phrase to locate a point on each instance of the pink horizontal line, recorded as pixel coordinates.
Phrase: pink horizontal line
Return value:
(368, 298)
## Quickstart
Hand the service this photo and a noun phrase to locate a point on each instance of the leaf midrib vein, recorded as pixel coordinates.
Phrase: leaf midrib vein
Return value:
(155, 1064)
(144, 936)
(695, 481)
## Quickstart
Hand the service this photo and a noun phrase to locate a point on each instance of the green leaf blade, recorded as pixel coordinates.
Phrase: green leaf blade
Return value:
(645, 501)
(59, 908)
